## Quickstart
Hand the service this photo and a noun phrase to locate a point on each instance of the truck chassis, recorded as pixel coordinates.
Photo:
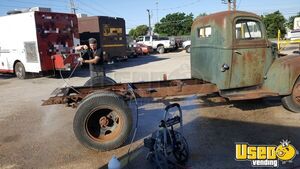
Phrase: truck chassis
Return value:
(73, 95)
(103, 120)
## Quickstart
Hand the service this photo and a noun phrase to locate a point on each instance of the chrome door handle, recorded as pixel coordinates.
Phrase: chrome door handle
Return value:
(237, 52)
(224, 67)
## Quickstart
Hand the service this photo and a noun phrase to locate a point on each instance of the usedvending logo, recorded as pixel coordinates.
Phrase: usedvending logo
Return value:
(265, 155)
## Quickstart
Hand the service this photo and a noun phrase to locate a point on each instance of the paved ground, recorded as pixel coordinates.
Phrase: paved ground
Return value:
(32, 136)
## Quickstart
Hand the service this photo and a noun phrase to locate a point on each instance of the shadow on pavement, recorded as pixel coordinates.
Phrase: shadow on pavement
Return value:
(212, 143)
(213, 101)
(7, 76)
(212, 140)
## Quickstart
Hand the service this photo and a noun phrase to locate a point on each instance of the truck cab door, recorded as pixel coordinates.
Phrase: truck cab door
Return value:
(147, 41)
(249, 53)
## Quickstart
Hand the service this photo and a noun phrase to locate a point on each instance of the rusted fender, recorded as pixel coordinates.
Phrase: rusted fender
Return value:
(283, 74)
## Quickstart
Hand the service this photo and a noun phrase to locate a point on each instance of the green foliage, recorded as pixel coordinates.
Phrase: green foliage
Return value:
(202, 14)
(132, 32)
(273, 22)
(175, 24)
(290, 22)
(140, 30)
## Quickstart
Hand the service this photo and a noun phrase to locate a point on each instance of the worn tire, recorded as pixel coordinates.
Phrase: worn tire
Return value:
(188, 49)
(161, 49)
(20, 71)
(290, 102)
(86, 124)
(100, 81)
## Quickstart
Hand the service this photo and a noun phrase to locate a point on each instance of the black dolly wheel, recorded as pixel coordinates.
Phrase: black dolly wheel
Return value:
(181, 149)
(103, 121)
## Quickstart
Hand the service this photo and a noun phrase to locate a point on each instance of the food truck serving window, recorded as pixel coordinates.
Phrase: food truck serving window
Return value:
(247, 29)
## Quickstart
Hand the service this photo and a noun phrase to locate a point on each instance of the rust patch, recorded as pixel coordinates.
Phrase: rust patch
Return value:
(248, 58)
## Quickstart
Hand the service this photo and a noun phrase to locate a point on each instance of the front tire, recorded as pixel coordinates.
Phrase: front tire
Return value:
(188, 49)
(20, 70)
(161, 49)
(292, 102)
(102, 122)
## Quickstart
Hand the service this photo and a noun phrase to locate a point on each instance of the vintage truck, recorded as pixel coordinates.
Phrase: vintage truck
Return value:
(230, 56)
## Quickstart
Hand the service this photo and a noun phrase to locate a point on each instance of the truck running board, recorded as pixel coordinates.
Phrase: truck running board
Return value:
(247, 94)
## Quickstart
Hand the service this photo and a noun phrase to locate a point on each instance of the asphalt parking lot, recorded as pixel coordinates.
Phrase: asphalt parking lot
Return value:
(35, 136)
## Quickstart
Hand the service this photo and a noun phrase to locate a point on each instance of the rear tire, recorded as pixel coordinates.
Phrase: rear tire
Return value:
(20, 71)
(100, 81)
(102, 122)
(161, 49)
(292, 102)
(188, 49)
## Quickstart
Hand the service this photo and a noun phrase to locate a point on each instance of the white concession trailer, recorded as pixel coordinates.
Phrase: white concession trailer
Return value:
(37, 41)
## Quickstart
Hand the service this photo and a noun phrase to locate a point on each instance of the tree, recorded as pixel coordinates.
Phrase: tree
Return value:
(274, 22)
(290, 23)
(175, 24)
(140, 30)
(132, 32)
(202, 14)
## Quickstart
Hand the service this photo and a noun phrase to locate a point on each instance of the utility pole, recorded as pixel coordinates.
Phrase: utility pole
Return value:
(72, 7)
(231, 4)
(156, 11)
(149, 16)
(234, 5)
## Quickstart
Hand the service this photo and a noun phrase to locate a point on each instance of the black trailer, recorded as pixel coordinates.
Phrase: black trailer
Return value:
(109, 32)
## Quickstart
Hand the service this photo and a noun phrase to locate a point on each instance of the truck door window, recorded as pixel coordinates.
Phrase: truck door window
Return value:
(139, 39)
(247, 29)
(147, 38)
(204, 32)
(163, 38)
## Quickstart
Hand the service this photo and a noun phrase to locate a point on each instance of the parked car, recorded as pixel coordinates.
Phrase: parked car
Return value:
(146, 50)
(137, 49)
(187, 46)
(130, 52)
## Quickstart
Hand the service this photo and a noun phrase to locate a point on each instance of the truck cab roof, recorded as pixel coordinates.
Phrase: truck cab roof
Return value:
(220, 29)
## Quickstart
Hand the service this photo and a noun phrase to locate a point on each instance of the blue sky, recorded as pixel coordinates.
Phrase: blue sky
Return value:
(134, 11)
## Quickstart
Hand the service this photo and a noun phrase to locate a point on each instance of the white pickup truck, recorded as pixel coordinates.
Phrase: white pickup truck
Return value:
(295, 33)
(160, 44)
(187, 46)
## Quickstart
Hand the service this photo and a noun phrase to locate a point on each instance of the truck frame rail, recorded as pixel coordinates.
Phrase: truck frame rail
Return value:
(73, 95)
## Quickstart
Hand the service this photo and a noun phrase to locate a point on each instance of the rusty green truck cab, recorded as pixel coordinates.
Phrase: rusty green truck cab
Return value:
(231, 50)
